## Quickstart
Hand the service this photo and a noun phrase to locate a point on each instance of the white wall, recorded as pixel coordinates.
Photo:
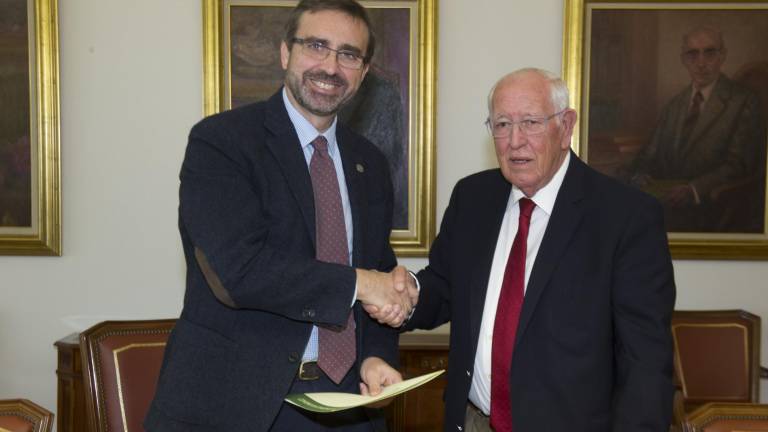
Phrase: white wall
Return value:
(130, 90)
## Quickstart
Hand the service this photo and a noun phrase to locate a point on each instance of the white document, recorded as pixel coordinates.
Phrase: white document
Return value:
(331, 402)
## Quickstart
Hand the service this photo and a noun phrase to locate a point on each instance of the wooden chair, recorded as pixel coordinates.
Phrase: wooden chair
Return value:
(121, 364)
(754, 75)
(22, 415)
(717, 358)
(728, 417)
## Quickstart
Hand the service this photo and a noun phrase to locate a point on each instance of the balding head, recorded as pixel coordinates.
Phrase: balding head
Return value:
(703, 53)
(558, 91)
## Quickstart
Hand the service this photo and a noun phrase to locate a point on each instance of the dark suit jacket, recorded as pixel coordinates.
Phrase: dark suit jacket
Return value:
(593, 350)
(254, 288)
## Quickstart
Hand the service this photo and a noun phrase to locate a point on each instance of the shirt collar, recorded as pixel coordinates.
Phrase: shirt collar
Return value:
(306, 131)
(545, 197)
(706, 91)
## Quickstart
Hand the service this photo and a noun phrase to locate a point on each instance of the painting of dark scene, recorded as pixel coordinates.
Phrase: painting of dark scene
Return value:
(677, 107)
(15, 173)
(380, 109)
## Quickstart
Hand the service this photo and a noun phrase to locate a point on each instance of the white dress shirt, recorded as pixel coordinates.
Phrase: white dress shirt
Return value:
(307, 133)
(480, 392)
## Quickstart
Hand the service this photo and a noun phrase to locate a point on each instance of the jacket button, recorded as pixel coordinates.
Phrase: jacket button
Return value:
(293, 357)
(308, 313)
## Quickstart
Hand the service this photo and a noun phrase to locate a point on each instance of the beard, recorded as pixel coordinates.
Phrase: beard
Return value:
(317, 103)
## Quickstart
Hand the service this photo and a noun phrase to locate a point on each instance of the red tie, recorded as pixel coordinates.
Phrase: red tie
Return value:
(336, 348)
(505, 325)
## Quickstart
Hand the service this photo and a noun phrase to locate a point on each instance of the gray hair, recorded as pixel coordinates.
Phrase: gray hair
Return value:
(558, 90)
(714, 33)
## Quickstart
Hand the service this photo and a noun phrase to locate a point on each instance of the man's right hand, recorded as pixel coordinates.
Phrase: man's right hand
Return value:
(387, 297)
(679, 196)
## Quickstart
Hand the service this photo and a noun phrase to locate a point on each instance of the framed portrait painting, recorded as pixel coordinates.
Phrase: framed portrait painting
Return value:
(673, 99)
(394, 107)
(30, 216)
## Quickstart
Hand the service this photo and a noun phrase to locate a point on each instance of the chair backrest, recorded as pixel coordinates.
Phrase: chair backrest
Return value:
(728, 417)
(754, 75)
(121, 364)
(22, 415)
(717, 356)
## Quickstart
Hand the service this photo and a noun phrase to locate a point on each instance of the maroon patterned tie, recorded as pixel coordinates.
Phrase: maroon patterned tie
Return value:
(336, 348)
(505, 325)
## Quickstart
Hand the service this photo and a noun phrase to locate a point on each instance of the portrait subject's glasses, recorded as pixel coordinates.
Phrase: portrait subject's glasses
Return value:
(708, 54)
(319, 51)
(502, 128)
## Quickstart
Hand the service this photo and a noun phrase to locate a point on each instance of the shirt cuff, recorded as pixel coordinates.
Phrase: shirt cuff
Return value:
(418, 288)
(696, 198)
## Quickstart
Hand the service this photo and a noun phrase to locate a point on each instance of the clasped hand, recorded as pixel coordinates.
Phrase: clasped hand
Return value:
(387, 297)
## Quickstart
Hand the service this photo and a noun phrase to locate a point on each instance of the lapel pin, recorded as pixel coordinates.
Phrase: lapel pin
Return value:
(360, 168)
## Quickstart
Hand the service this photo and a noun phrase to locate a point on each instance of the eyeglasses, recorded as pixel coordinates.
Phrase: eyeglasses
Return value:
(502, 128)
(320, 51)
(708, 54)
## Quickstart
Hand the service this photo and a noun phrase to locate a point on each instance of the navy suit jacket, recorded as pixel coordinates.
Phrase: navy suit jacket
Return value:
(254, 287)
(593, 350)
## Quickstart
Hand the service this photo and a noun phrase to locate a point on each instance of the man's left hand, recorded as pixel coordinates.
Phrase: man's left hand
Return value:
(375, 374)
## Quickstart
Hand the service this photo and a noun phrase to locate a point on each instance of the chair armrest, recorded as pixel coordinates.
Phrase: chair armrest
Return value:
(678, 411)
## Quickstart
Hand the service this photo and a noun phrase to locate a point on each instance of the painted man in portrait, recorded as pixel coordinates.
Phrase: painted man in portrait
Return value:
(15, 147)
(376, 112)
(706, 158)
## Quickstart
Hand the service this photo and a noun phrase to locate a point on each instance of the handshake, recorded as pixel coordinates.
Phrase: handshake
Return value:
(387, 297)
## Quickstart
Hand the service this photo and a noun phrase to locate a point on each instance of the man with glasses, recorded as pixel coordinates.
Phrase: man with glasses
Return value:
(557, 282)
(285, 219)
(709, 136)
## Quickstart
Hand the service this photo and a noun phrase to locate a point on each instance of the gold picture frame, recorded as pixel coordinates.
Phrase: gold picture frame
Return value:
(31, 49)
(624, 65)
(241, 65)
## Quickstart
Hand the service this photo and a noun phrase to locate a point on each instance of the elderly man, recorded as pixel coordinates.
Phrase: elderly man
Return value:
(709, 136)
(283, 214)
(557, 281)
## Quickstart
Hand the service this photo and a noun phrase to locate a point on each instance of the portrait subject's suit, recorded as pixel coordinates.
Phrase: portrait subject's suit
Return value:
(376, 112)
(593, 349)
(726, 145)
(254, 287)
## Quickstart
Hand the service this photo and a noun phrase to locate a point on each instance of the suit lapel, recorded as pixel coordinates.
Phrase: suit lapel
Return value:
(284, 145)
(566, 217)
(681, 112)
(354, 170)
(489, 220)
